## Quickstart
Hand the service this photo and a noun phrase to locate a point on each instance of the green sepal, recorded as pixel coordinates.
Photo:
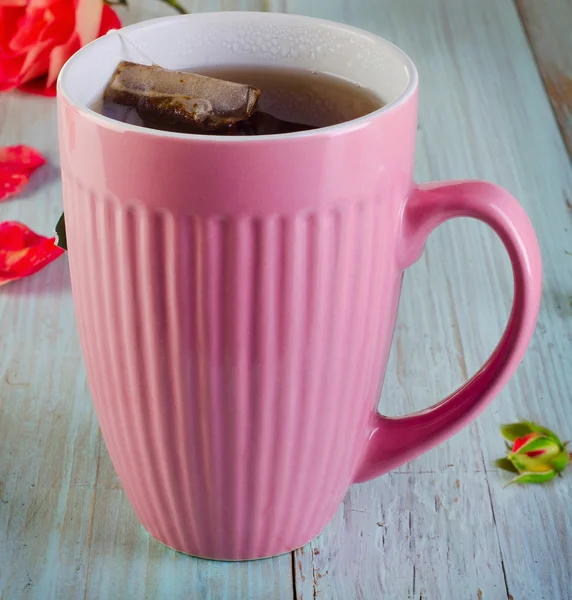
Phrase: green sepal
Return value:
(560, 462)
(543, 431)
(542, 443)
(512, 431)
(534, 477)
(61, 238)
(505, 465)
(536, 464)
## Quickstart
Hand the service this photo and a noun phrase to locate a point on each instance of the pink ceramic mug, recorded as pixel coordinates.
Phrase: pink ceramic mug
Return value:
(236, 297)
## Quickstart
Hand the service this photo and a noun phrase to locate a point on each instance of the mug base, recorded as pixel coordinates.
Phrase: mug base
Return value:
(217, 559)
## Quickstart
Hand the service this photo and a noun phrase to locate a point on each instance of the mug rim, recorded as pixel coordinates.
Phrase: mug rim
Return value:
(338, 129)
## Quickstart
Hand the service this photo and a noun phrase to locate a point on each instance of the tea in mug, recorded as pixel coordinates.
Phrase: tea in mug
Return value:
(233, 100)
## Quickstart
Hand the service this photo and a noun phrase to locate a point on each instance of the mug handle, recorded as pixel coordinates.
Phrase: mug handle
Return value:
(394, 441)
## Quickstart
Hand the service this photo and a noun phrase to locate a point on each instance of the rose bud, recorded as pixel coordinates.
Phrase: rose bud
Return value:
(536, 455)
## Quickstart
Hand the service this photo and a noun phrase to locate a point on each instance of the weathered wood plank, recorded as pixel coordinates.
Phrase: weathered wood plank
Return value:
(548, 24)
(419, 535)
(65, 527)
(484, 113)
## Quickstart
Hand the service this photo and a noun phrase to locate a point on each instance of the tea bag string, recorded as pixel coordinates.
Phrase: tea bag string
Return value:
(132, 45)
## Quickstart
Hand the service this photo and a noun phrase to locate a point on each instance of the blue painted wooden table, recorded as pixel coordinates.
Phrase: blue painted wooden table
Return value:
(496, 103)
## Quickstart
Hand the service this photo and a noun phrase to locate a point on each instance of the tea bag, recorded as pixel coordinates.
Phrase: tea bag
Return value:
(167, 99)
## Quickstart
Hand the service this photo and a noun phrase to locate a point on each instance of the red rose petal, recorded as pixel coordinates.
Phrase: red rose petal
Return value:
(109, 20)
(23, 252)
(38, 86)
(21, 155)
(17, 163)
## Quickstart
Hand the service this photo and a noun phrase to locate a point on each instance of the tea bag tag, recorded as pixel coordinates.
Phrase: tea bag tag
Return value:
(131, 44)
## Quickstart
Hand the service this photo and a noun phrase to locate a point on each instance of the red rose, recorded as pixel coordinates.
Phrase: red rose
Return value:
(38, 36)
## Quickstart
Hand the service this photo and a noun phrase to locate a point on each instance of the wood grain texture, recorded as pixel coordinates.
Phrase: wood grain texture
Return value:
(415, 535)
(483, 114)
(548, 25)
(439, 528)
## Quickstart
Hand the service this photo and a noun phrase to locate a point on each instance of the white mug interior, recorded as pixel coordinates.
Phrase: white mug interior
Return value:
(242, 39)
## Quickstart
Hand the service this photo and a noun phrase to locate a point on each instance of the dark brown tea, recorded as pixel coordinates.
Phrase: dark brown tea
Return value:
(287, 100)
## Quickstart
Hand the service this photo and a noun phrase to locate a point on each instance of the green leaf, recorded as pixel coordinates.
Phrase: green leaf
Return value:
(61, 239)
(512, 431)
(505, 465)
(534, 477)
